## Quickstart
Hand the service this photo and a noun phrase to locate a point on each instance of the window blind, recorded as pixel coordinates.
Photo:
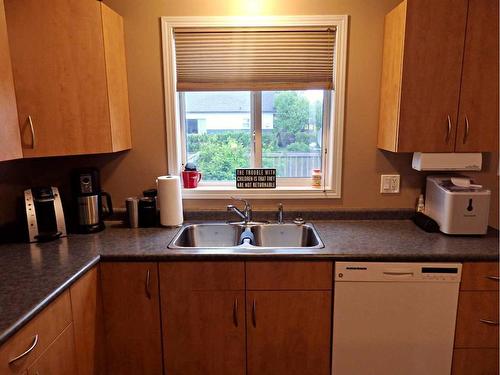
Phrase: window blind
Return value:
(254, 58)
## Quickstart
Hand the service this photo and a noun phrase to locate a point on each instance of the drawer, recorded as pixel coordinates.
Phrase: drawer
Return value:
(203, 275)
(475, 362)
(480, 276)
(48, 324)
(475, 311)
(309, 275)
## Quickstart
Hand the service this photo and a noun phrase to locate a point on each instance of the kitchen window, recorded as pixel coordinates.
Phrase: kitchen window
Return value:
(256, 92)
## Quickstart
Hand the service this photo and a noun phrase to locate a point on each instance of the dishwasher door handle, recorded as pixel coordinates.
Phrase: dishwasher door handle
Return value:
(398, 273)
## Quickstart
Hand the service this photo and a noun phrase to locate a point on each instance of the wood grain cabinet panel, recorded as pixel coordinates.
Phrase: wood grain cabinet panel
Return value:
(293, 275)
(203, 317)
(477, 320)
(475, 362)
(10, 141)
(480, 276)
(202, 275)
(288, 332)
(59, 358)
(478, 115)
(61, 79)
(440, 65)
(47, 325)
(131, 318)
(88, 323)
(204, 332)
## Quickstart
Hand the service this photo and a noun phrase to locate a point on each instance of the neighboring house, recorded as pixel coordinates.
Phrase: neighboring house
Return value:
(208, 112)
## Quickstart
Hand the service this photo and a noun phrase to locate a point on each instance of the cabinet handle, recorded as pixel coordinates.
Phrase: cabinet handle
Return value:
(489, 322)
(148, 284)
(448, 133)
(494, 278)
(466, 131)
(35, 341)
(254, 313)
(32, 128)
(235, 312)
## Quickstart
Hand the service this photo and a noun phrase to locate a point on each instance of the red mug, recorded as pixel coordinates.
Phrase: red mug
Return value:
(190, 179)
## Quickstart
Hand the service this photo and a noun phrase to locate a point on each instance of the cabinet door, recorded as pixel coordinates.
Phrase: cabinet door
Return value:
(10, 142)
(478, 115)
(204, 332)
(59, 358)
(431, 73)
(86, 305)
(131, 318)
(59, 75)
(475, 362)
(288, 332)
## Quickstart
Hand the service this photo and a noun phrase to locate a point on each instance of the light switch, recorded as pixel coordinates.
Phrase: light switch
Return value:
(389, 183)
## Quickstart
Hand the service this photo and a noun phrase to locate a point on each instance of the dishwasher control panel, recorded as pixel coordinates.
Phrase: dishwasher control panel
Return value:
(376, 271)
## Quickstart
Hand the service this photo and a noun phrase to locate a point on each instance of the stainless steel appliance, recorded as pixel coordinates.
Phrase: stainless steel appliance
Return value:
(458, 208)
(91, 209)
(44, 214)
(394, 318)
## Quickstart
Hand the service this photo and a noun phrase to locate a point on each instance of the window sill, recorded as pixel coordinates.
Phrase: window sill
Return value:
(288, 192)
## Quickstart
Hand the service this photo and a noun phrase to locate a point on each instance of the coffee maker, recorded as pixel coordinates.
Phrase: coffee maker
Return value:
(90, 208)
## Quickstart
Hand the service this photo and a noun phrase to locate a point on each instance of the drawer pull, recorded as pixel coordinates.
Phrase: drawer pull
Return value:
(235, 312)
(495, 278)
(35, 341)
(148, 284)
(489, 322)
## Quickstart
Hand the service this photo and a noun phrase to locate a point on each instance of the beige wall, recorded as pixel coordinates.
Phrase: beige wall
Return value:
(129, 173)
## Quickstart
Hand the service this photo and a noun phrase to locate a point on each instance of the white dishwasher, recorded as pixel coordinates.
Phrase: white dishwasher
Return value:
(394, 318)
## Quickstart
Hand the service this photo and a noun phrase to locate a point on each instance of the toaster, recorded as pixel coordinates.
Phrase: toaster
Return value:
(457, 210)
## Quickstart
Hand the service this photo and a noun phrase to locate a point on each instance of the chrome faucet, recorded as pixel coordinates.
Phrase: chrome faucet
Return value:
(280, 213)
(246, 214)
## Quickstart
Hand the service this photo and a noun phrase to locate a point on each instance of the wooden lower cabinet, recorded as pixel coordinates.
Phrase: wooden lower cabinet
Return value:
(132, 318)
(204, 332)
(288, 332)
(88, 324)
(59, 358)
(476, 335)
(475, 362)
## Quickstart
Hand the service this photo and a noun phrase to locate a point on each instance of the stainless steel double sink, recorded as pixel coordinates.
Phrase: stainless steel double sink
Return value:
(265, 237)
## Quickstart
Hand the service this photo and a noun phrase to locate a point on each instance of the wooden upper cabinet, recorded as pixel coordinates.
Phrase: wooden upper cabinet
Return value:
(70, 79)
(10, 141)
(478, 114)
(429, 83)
(131, 318)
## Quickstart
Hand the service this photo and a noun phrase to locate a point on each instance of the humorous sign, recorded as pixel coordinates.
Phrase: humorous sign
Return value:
(256, 178)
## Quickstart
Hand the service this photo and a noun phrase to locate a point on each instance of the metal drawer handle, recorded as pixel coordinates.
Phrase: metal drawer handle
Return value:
(32, 128)
(148, 284)
(235, 312)
(495, 278)
(489, 322)
(448, 133)
(35, 341)
(466, 132)
(254, 313)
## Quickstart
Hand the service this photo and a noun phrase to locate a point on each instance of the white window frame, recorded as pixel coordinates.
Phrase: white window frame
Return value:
(332, 132)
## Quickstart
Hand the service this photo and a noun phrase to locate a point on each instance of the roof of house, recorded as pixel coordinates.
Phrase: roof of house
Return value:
(225, 101)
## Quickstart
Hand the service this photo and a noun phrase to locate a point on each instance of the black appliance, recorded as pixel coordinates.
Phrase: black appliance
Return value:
(91, 208)
(44, 214)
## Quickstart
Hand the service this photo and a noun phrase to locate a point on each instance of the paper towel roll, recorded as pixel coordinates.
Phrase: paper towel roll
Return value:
(170, 200)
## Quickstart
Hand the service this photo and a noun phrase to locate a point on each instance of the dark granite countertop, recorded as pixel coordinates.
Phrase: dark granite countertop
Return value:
(32, 275)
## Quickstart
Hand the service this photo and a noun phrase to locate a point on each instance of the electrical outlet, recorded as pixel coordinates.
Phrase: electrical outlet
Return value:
(389, 183)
